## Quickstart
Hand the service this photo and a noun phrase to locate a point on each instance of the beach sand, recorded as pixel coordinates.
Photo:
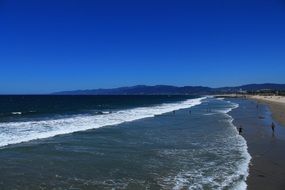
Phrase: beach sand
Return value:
(276, 104)
(267, 169)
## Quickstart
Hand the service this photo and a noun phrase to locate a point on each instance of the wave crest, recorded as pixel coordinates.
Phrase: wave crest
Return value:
(18, 132)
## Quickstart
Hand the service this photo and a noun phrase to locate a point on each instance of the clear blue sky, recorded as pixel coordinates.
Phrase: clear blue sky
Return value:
(54, 45)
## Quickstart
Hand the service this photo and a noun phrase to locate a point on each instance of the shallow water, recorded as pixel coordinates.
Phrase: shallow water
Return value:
(197, 150)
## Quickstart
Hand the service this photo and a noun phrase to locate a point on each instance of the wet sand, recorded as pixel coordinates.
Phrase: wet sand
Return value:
(267, 169)
(276, 104)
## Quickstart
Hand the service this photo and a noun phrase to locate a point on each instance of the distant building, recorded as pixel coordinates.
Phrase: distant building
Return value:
(241, 91)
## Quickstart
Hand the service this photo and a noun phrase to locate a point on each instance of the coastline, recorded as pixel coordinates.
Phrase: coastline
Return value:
(276, 105)
(267, 167)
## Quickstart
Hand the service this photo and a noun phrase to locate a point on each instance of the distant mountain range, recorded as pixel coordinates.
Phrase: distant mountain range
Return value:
(171, 90)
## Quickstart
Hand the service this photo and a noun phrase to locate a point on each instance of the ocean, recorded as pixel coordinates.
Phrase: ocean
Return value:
(120, 142)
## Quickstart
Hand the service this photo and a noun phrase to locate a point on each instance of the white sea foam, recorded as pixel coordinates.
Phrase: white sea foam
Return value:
(17, 132)
(16, 113)
(234, 172)
(244, 164)
(209, 113)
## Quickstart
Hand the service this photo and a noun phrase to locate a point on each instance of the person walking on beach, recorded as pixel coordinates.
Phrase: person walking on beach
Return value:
(273, 127)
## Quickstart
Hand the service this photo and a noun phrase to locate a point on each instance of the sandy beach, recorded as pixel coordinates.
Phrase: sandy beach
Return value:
(267, 169)
(276, 104)
(276, 99)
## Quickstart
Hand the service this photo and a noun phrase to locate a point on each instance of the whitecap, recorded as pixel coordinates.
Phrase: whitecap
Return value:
(16, 113)
(18, 132)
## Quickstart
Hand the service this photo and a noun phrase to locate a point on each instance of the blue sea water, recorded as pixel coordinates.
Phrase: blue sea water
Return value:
(120, 142)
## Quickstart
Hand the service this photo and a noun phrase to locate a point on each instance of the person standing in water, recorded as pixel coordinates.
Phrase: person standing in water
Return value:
(273, 127)
(240, 130)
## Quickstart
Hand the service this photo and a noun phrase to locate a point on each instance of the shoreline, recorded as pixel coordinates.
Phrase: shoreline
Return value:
(276, 105)
(267, 167)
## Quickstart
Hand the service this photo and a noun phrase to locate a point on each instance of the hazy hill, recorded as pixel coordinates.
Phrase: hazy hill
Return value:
(165, 89)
